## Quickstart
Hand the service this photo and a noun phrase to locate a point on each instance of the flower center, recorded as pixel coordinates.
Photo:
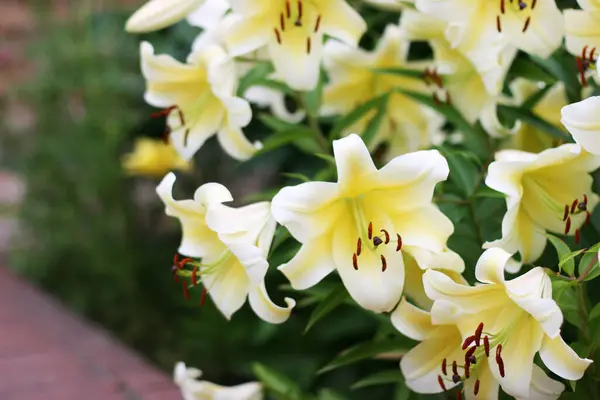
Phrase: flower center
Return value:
(577, 209)
(522, 8)
(367, 240)
(196, 271)
(297, 17)
(585, 62)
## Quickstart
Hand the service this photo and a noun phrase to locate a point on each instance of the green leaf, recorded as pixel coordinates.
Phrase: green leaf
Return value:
(326, 157)
(484, 191)
(590, 258)
(380, 378)
(463, 172)
(296, 175)
(539, 123)
(562, 249)
(282, 138)
(276, 124)
(330, 303)
(525, 68)
(595, 313)
(410, 73)
(277, 382)
(355, 115)
(328, 394)
(259, 72)
(569, 257)
(281, 235)
(563, 66)
(312, 99)
(373, 127)
(535, 98)
(368, 350)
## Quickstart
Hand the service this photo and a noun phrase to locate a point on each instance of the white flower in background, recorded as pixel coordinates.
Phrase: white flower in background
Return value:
(276, 101)
(549, 191)
(486, 336)
(363, 224)
(391, 5)
(209, 15)
(293, 31)
(158, 14)
(193, 389)
(582, 120)
(534, 26)
(407, 125)
(232, 243)
(199, 97)
(582, 27)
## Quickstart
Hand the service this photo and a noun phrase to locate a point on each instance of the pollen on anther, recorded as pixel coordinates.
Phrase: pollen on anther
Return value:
(317, 24)
(454, 367)
(444, 370)
(577, 236)
(441, 382)
(498, 24)
(358, 246)
(568, 225)
(502, 10)
(588, 218)
(370, 231)
(468, 342)
(459, 395)
(186, 292)
(478, 333)
(486, 345)
(467, 370)
(282, 22)
(277, 35)
(566, 213)
(399, 243)
(476, 387)
(501, 366)
(383, 263)
(387, 236)
(575, 202)
(308, 45)
(355, 261)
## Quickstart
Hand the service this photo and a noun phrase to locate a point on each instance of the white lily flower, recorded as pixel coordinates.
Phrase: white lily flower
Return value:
(158, 14)
(193, 389)
(407, 125)
(582, 27)
(293, 31)
(199, 97)
(486, 336)
(582, 120)
(209, 15)
(549, 191)
(232, 243)
(364, 224)
(534, 26)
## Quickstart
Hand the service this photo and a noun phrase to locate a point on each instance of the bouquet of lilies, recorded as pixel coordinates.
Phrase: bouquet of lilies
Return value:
(454, 193)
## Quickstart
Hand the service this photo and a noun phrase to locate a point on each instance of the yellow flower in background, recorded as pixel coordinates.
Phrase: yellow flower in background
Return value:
(407, 125)
(582, 27)
(153, 157)
(232, 243)
(549, 191)
(363, 225)
(191, 388)
(293, 31)
(158, 14)
(200, 100)
(582, 120)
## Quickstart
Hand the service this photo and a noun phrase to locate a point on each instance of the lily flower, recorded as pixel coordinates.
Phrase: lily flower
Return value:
(549, 191)
(582, 27)
(191, 388)
(293, 31)
(199, 98)
(209, 15)
(232, 243)
(407, 125)
(158, 14)
(582, 120)
(534, 26)
(363, 224)
(152, 157)
(502, 325)
(389, 5)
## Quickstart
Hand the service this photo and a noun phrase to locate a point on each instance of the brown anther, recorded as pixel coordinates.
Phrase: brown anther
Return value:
(476, 387)
(308, 45)
(469, 353)
(500, 366)
(566, 213)
(456, 378)
(299, 9)
(568, 225)
(288, 9)
(454, 368)
(581, 67)
(468, 342)
(185, 137)
(370, 231)
(355, 261)
(498, 351)
(277, 35)
(358, 246)
(317, 24)
(444, 370)
(585, 199)
(399, 243)
(436, 99)
(467, 370)
(387, 236)
(448, 99)
(502, 10)
(441, 382)
(498, 24)
(203, 297)
(527, 21)
(486, 345)
(195, 276)
(575, 202)
(186, 293)
(577, 236)
(588, 218)
(478, 334)
(377, 241)
(176, 278)
(533, 4)
(459, 395)
(282, 22)
(183, 262)
(383, 264)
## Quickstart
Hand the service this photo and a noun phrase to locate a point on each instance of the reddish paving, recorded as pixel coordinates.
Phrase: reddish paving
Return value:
(47, 353)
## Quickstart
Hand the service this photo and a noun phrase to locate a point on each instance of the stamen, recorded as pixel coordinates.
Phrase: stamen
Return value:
(498, 351)
(317, 24)
(185, 137)
(383, 264)
(288, 10)
(441, 382)
(581, 69)
(588, 218)
(575, 202)
(502, 6)
(370, 231)
(278, 35)
(186, 293)
(577, 236)
(377, 241)
(399, 243)
(195, 276)
(498, 24)
(468, 342)
(469, 354)
(533, 4)
(308, 45)
(568, 226)
(355, 261)
(476, 387)
(467, 370)
(387, 236)
(486, 345)
(444, 370)
(203, 297)
(454, 368)
(522, 5)
(501, 366)
(282, 22)
(566, 214)
(527, 21)
(299, 9)
(358, 247)
(165, 134)
(456, 378)
(478, 333)
(459, 395)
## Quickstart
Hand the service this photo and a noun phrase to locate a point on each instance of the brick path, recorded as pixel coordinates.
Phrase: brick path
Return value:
(47, 353)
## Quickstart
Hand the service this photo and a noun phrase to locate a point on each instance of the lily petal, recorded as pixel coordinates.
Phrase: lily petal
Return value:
(411, 321)
(342, 21)
(582, 119)
(582, 29)
(542, 387)
(310, 265)
(158, 14)
(264, 307)
(228, 286)
(235, 143)
(490, 266)
(209, 14)
(355, 167)
(561, 359)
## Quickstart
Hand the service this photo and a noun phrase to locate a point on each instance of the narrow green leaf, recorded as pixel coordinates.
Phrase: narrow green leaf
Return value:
(259, 72)
(277, 382)
(368, 350)
(484, 191)
(312, 99)
(539, 123)
(276, 124)
(282, 138)
(275, 85)
(296, 175)
(325, 157)
(562, 249)
(525, 68)
(563, 66)
(355, 115)
(463, 172)
(535, 98)
(328, 394)
(595, 313)
(330, 303)
(373, 127)
(590, 258)
(569, 257)
(380, 378)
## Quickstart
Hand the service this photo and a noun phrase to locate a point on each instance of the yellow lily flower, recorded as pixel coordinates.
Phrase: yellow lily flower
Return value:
(232, 243)
(582, 120)
(199, 98)
(364, 224)
(407, 125)
(193, 389)
(534, 26)
(486, 336)
(582, 27)
(153, 157)
(549, 191)
(293, 31)
(158, 14)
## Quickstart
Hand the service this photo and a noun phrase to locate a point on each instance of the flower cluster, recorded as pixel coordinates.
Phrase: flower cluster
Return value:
(495, 108)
